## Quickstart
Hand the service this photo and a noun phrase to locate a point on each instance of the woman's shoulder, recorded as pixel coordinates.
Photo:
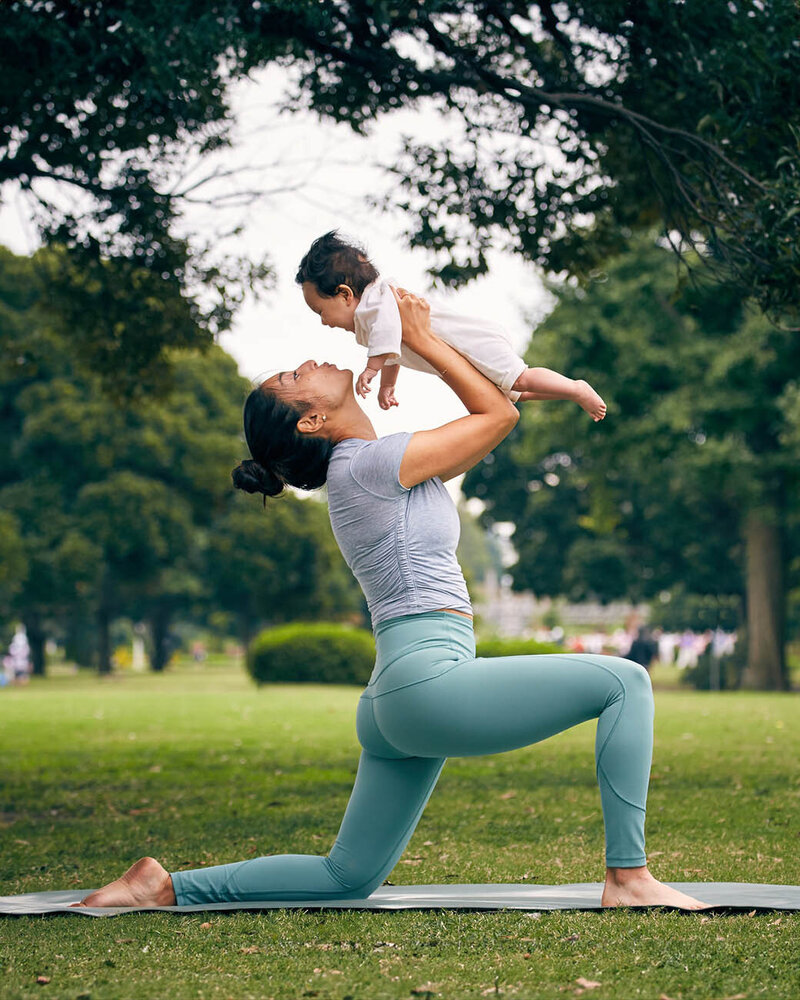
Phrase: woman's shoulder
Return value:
(373, 464)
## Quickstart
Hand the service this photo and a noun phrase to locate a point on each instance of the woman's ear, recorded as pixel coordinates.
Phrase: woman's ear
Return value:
(311, 422)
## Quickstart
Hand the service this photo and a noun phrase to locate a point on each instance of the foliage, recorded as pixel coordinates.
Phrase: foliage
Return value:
(105, 108)
(477, 554)
(515, 647)
(312, 652)
(697, 612)
(278, 564)
(565, 128)
(697, 433)
(570, 126)
(712, 673)
(691, 481)
(115, 506)
(228, 772)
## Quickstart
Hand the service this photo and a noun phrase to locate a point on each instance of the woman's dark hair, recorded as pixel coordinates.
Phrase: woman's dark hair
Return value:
(281, 454)
(331, 262)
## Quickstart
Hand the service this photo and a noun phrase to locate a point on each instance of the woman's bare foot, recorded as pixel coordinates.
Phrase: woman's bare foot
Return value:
(589, 400)
(147, 883)
(637, 887)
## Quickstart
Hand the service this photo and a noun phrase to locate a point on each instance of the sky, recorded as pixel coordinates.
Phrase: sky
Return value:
(320, 177)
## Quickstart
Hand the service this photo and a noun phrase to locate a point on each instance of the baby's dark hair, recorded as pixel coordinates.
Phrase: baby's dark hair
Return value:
(281, 454)
(331, 262)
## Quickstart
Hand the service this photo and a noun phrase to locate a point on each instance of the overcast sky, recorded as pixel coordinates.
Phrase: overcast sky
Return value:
(322, 176)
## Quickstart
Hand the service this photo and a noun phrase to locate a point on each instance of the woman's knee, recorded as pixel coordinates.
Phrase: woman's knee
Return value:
(356, 879)
(635, 680)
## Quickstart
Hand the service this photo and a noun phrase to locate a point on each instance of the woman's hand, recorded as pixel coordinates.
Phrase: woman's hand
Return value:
(415, 314)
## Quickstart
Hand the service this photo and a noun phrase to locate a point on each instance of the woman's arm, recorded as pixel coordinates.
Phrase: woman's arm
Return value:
(453, 448)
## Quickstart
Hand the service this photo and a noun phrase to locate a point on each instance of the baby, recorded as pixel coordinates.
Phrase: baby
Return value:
(342, 286)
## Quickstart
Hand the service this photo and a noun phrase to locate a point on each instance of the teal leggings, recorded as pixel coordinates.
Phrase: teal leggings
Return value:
(429, 698)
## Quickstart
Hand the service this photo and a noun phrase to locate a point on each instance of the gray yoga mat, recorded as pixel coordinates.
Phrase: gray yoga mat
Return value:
(578, 896)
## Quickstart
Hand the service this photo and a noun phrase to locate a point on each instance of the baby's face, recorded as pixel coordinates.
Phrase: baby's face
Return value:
(336, 310)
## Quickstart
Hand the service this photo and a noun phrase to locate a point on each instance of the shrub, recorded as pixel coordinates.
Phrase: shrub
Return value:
(515, 647)
(723, 675)
(307, 652)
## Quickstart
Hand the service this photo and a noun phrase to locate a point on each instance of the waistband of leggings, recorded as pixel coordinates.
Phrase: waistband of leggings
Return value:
(425, 618)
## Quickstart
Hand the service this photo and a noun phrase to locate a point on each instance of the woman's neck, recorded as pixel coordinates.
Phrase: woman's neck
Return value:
(352, 422)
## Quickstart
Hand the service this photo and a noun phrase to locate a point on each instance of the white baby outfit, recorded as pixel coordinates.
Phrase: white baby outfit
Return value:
(485, 344)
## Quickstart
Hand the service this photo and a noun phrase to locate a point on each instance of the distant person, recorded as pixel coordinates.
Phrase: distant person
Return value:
(643, 648)
(17, 664)
(343, 287)
(429, 697)
(688, 651)
(199, 653)
(667, 643)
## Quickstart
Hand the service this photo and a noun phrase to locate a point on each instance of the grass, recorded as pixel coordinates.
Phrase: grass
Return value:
(198, 767)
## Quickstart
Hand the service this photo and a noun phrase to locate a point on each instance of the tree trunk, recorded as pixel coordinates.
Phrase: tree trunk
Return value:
(36, 640)
(104, 641)
(159, 634)
(79, 640)
(766, 602)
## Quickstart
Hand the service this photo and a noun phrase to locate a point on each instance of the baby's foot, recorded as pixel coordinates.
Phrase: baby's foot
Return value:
(147, 883)
(637, 887)
(589, 400)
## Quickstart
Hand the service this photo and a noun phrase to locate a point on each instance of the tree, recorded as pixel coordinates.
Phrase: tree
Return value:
(690, 481)
(104, 107)
(109, 495)
(573, 125)
(569, 126)
(278, 564)
(115, 506)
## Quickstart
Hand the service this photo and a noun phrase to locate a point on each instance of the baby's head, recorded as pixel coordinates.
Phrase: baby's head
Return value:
(333, 275)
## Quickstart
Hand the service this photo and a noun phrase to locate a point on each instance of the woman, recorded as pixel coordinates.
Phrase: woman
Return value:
(428, 697)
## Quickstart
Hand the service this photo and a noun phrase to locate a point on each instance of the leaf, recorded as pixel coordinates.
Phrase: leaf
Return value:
(508, 795)
(587, 984)
(205, 926)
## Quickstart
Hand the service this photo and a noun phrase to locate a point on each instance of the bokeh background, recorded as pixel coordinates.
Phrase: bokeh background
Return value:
(619, 189)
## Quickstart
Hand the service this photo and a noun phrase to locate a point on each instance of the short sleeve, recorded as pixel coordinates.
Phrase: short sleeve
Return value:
(378, 322)
(376, 466)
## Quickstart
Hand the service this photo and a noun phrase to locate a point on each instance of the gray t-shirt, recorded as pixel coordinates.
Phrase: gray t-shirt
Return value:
(400, 543)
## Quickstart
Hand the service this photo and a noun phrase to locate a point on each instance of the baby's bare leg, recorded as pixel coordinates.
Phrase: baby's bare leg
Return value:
(543, 383)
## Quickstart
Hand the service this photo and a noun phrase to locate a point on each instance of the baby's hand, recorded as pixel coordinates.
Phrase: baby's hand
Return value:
(386, 397)
(363, 381)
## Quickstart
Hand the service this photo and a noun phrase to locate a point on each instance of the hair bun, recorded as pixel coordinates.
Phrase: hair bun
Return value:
(254, 478)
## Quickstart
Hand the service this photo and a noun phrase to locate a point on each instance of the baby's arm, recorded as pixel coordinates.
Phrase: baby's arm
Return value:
(375, 364)
(386, 396)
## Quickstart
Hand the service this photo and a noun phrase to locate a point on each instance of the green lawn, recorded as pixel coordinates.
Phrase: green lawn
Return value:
(198, 767)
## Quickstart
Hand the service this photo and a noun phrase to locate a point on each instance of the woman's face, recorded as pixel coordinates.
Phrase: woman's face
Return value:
(324, 385)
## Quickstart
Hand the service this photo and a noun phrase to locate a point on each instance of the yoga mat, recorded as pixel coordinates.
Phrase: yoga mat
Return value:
(578, 896)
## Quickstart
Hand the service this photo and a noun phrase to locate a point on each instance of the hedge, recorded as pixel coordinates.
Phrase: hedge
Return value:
(516, 647)
(328, 653)
(316, 653)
